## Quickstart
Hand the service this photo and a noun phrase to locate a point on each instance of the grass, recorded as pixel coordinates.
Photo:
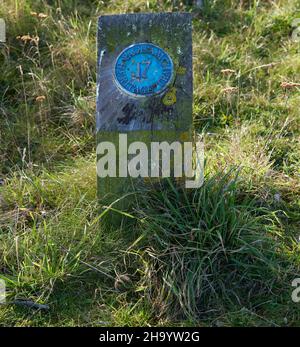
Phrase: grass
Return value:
(222, 255)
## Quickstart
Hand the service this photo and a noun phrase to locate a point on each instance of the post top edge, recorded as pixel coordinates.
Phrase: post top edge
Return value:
(149, 14)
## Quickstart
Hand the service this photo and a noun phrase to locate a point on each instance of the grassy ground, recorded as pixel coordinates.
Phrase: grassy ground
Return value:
(223, 255)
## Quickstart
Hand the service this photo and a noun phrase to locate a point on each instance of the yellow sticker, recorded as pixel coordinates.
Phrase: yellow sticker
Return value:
(170, 98)
(181, 70)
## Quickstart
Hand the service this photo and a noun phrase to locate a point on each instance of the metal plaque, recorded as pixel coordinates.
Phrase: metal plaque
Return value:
(143, 69)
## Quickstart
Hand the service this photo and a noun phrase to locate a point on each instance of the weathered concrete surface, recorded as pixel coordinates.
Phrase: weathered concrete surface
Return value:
(164, 117)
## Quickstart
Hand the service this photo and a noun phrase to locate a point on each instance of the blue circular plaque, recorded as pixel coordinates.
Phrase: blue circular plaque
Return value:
(143, 69)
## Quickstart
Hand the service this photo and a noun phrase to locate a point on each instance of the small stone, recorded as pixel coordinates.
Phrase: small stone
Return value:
(277, 197)
(219, 324)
